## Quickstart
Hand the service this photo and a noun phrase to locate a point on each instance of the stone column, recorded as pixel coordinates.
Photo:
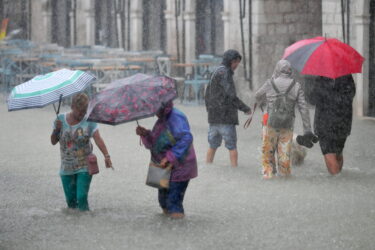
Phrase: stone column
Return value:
(170, 22)
(189, 17)
(47, 21)
(119, 30)
(83, 18)
(89, 13)
(227, 27)
(362, 21)
(47, 24)
(232, 40)
(73, 31)
(136, 16)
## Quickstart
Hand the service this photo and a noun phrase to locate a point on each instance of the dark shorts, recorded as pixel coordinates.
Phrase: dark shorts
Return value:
(332, 145)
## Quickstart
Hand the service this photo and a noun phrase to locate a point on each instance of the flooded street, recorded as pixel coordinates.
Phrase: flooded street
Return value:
(225, 208)
(227, 54)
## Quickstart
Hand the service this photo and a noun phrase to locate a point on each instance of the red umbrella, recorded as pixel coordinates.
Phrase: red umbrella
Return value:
(322, 56)
(131, 98)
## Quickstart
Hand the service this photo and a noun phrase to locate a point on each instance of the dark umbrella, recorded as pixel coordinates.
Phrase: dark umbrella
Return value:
(132, 98)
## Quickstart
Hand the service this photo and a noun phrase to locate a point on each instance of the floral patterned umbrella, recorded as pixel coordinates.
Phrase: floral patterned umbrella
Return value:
(132, 98)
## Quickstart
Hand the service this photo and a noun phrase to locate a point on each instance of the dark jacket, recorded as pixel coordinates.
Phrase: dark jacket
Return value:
(222, 103)
(333, 100)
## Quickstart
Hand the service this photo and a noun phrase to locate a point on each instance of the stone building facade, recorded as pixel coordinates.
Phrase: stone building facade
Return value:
(259, 29)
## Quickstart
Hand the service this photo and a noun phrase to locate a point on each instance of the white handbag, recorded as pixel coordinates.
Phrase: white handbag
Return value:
(157, 176)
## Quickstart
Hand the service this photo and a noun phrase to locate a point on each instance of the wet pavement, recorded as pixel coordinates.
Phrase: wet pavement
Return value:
(226, 208)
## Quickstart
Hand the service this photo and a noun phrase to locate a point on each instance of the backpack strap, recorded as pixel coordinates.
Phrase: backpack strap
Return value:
(287, 90)
(274, 86)
(290, 87)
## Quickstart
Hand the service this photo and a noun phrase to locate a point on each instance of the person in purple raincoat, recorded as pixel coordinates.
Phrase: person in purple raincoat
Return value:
(171, 142)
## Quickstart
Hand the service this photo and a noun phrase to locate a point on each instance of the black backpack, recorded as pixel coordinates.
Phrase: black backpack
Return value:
(281, 115)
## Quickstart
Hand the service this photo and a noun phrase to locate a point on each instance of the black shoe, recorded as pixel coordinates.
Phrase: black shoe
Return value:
(311, 137)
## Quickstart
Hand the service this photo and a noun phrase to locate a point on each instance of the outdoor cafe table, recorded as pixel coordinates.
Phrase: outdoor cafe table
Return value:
(141, 59)
(51, 65)
(183, 65)
(194, 65)
(149, 62)
(107, 74)
(28, 67)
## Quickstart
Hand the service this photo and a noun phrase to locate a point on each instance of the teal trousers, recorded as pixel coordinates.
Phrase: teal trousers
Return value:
(76, 189)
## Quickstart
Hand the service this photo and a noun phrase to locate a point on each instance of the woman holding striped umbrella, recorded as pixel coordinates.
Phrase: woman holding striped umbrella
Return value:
(73, 132)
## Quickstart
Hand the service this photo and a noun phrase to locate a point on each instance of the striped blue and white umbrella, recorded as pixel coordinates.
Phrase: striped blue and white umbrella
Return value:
(49, 88)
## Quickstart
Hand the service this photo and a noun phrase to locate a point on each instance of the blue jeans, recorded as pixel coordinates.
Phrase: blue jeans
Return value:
(76, 189)
(172, 198)
(219, 132)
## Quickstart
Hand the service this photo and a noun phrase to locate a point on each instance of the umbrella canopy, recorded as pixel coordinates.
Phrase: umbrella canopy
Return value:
(49, 88)
(324, 57)
(131, 98)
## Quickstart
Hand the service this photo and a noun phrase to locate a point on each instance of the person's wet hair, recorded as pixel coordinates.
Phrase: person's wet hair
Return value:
(80, 100)
(229, 56)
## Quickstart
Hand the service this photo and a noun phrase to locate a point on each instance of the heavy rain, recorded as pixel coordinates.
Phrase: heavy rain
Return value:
(236, 202)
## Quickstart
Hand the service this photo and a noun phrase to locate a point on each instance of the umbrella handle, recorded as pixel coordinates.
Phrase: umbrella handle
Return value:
(58, 108)
(55, 109)
(60, 99)
(140, 140)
